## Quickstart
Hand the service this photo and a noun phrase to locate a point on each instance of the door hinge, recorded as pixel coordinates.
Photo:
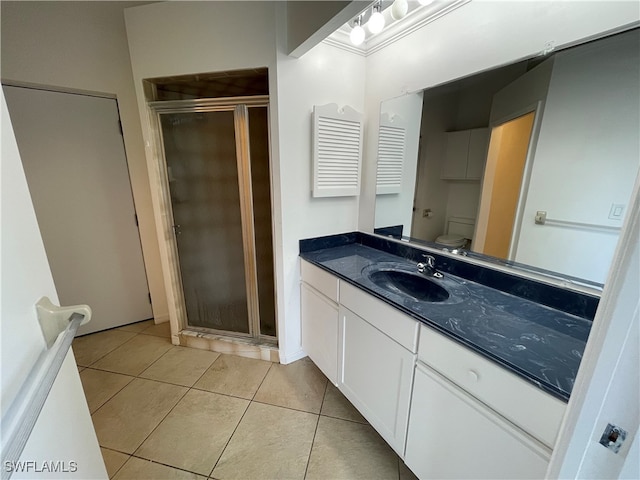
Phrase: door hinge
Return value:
(135, 216)
(120, 127)
(149, 295)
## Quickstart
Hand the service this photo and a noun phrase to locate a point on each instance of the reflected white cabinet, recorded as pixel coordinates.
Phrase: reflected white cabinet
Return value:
(376, 375)
(466, 154)
(319, 312)
(452, 435)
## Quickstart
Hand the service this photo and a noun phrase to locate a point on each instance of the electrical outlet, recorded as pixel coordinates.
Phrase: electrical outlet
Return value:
(613, 437)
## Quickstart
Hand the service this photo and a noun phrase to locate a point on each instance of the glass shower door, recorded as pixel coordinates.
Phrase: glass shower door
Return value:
(200, 153)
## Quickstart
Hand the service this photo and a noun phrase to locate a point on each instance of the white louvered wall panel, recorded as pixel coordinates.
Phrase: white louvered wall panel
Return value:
(391, 148)
(337, 151)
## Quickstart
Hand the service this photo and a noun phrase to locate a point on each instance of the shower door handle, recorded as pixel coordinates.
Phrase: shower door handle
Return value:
(177, 230)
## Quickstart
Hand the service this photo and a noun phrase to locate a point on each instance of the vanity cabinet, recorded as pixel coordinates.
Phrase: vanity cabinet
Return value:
(376, 371)
(319, 312)
(466, 154)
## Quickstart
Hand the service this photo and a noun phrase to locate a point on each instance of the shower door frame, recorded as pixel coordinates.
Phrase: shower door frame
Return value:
(239, 106)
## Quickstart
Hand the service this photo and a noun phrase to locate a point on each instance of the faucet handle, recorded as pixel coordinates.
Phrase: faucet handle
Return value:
(429, 260)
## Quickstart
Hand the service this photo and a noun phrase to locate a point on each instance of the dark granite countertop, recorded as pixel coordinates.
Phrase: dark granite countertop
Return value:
(541, 344)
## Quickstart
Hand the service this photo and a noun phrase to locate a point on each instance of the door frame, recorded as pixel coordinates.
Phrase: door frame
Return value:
(165, 219)
(483, 206)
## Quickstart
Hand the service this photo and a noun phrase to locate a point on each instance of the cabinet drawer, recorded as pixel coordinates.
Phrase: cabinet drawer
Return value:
(400, 327)
(532, 409)
(319, 279)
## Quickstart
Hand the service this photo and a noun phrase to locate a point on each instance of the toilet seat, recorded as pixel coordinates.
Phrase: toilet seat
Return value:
(452, 240)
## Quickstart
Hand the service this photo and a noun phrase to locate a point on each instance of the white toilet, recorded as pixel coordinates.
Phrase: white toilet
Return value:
(458, 233)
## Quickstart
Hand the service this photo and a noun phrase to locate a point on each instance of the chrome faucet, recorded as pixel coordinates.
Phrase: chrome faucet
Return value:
(429, 266)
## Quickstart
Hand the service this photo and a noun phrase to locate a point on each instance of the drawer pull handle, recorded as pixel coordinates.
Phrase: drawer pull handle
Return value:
(473, 375)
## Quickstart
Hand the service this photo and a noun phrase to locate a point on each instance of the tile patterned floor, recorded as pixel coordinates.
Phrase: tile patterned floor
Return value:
(162, 411)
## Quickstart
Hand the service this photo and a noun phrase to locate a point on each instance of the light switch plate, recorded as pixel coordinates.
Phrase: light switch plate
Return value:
(617, 211)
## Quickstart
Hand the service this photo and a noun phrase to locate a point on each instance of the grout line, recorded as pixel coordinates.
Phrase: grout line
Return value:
(313, 440)
(346, 419)
(108, 399)
(230, 437)
(110, 351)
(166, 465)
(266, 374)
(162, 420)
(250, 401)
(123, 463)
(205, 371)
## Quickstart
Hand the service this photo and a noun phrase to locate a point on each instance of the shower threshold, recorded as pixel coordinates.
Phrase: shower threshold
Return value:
(243, 347)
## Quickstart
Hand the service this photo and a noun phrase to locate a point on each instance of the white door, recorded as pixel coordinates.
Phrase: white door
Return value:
(63, 432)
(74, 160)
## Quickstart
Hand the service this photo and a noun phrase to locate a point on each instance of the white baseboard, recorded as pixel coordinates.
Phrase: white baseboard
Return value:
(286, 358)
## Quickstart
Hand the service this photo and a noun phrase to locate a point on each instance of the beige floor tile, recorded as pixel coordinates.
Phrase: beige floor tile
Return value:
(336, 405)
(159, 330)
(89, 348)
(233, 375)
(139, 469)
(299, 385)
(405, 473)
(349, 450)
(136, 327)
(181, 365)
(113, 460)
(126, 420)
(194, 434)
(270, 443)
(100, 386)
(135, 356)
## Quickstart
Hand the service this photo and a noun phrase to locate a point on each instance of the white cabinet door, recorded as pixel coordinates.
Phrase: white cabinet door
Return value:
(477, 157)
(452, 435)
(455, 164)
(375, 375)
(320, 331)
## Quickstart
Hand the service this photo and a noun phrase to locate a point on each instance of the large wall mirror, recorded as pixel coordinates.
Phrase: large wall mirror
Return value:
(531, 164)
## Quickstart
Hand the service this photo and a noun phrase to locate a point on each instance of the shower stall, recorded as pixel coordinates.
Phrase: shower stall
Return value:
(213, 165)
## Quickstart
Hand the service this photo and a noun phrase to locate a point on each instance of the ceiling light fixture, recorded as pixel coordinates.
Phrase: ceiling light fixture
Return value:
(357, 32)
(376, 22)
(399, 9)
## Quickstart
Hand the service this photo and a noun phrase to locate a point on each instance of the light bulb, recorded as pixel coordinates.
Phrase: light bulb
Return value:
(357, 35)
(375, 23)
(425, 2)
(399, 9)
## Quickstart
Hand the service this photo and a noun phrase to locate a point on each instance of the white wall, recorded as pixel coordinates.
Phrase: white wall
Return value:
(324, 75)
(396, 208)
(64, 430)
(475, 37)
(432, 192)
(83, 46)
(607, 388)
(176, 38)
(587, 157)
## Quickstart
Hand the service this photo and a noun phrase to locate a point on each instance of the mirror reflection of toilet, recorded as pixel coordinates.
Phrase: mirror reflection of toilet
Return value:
(458, 233)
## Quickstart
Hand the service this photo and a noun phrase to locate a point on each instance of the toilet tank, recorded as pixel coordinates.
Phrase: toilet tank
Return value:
(461, 226)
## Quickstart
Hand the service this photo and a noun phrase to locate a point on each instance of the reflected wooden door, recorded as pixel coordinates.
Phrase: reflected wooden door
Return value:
(502, 184)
